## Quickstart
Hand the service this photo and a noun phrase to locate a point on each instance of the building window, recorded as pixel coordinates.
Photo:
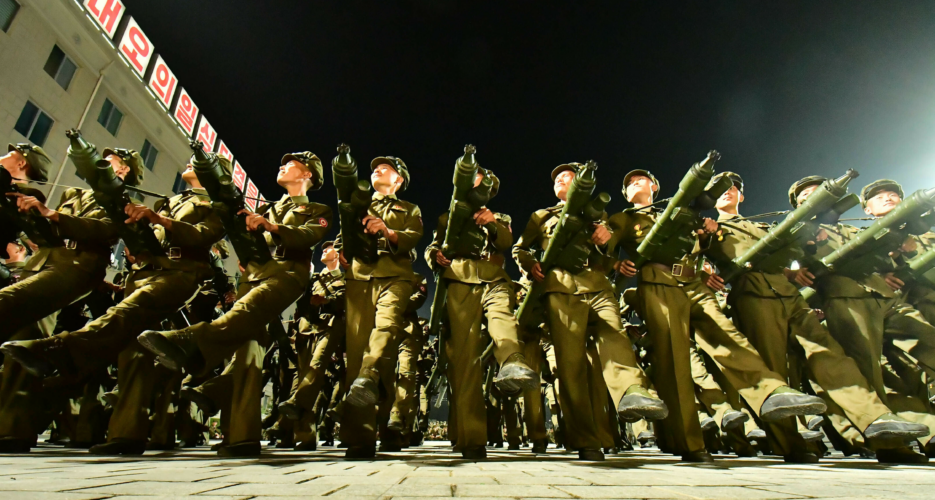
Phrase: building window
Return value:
(149, 153)
(179, 185)
(60, 67)
(8, 10)
(110, 117)
(34, 124)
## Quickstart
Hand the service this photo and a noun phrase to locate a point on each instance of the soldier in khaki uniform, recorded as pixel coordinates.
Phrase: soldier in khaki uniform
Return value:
(770, 311)
(579, 307)
(321, 334)
(292, 226)
(55, 277)
(377, 298)
(186, 226)
(673, 300)
(58, 276)
(862, 313)
(405, 407)
(479, 289)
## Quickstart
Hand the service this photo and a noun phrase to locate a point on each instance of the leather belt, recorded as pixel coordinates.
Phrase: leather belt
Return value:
(282, 253)
(677, 270)
(86, 246)
(188, 253)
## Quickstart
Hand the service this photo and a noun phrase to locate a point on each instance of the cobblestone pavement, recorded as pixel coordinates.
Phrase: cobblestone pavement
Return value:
(433, 472)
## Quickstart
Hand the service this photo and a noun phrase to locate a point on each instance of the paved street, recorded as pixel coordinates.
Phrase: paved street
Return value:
(433, 472)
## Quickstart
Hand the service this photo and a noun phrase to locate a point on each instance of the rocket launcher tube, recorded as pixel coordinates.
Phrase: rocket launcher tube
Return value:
(571, 236)
(110, 194)
(228, 201)
(825, 197)
(692, 185)
(833, 215)
(879, 236)
(462, 236)
(919, 269)
(353, 205)
(84, 155)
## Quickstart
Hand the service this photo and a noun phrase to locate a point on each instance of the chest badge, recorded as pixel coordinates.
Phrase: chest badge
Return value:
(720, 235)
(322, 222)
(639, 230)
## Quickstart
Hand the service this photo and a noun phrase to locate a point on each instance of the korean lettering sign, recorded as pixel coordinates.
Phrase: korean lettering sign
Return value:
(186, 112)
(163, 82)
(106, 14)
(206, 134)
(136, 48)
(251, 194)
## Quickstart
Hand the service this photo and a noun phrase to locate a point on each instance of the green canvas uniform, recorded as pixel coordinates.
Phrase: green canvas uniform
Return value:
(921, 296)
(377, 298)
(54, 277)
(580, 307)
(770, 311)
(863, 313)
(673, 302)
(156, 289)
(478, 289)
(265, 291)
(320, 336)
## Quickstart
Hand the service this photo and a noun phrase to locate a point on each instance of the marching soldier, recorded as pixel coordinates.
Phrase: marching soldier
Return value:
(321, 334)
(58, 276)
(185, 226)
(377, 297)
(293, 226)
(861, 313)
(673, 298)
(478, 288)
(578, 307)
(772, 314)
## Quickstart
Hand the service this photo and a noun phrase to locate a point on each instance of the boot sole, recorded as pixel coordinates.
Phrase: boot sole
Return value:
(735, 422)
(358, 396)
(888, 432)
(161, 347)
(29, 361)
(793, 411)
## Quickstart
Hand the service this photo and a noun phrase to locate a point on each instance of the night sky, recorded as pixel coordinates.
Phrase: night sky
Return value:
(781, 89)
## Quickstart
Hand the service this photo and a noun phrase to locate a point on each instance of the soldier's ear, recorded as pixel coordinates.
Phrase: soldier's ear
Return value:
(655, 187)
(740, 198)
(867, 210)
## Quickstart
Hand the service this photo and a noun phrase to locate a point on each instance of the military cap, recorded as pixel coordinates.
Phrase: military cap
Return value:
(222, 248)
(735, 179)
(38, 160)
(397, 163)
(327, 244)
(132, 160)
(801, 184)
(573, 166)
(871, 190)
(644, 173)
(312, 163)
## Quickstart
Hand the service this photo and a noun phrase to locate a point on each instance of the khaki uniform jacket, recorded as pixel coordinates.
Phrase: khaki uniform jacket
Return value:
(630, 228)
(486, 269)
(392, 260)
(535, 239)
(330, 286)
(195, 227)
(837, 286)
(84, 222)
(301, 226)
(918, 293)
(733, 238)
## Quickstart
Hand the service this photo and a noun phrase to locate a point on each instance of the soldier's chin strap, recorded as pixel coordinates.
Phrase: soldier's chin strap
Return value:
(651, 205)
(131, 188)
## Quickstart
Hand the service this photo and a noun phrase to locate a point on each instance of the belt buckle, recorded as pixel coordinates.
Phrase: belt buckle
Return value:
(175, 253)
(280, 252)
(677, 269)
(71, 244)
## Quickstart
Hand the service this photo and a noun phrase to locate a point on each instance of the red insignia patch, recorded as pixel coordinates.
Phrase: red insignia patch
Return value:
(322, 222)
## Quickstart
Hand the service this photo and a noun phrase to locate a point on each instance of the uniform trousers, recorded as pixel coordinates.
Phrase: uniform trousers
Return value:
(670, 313)
(575, 319)
(468, 305)
(375, 319)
